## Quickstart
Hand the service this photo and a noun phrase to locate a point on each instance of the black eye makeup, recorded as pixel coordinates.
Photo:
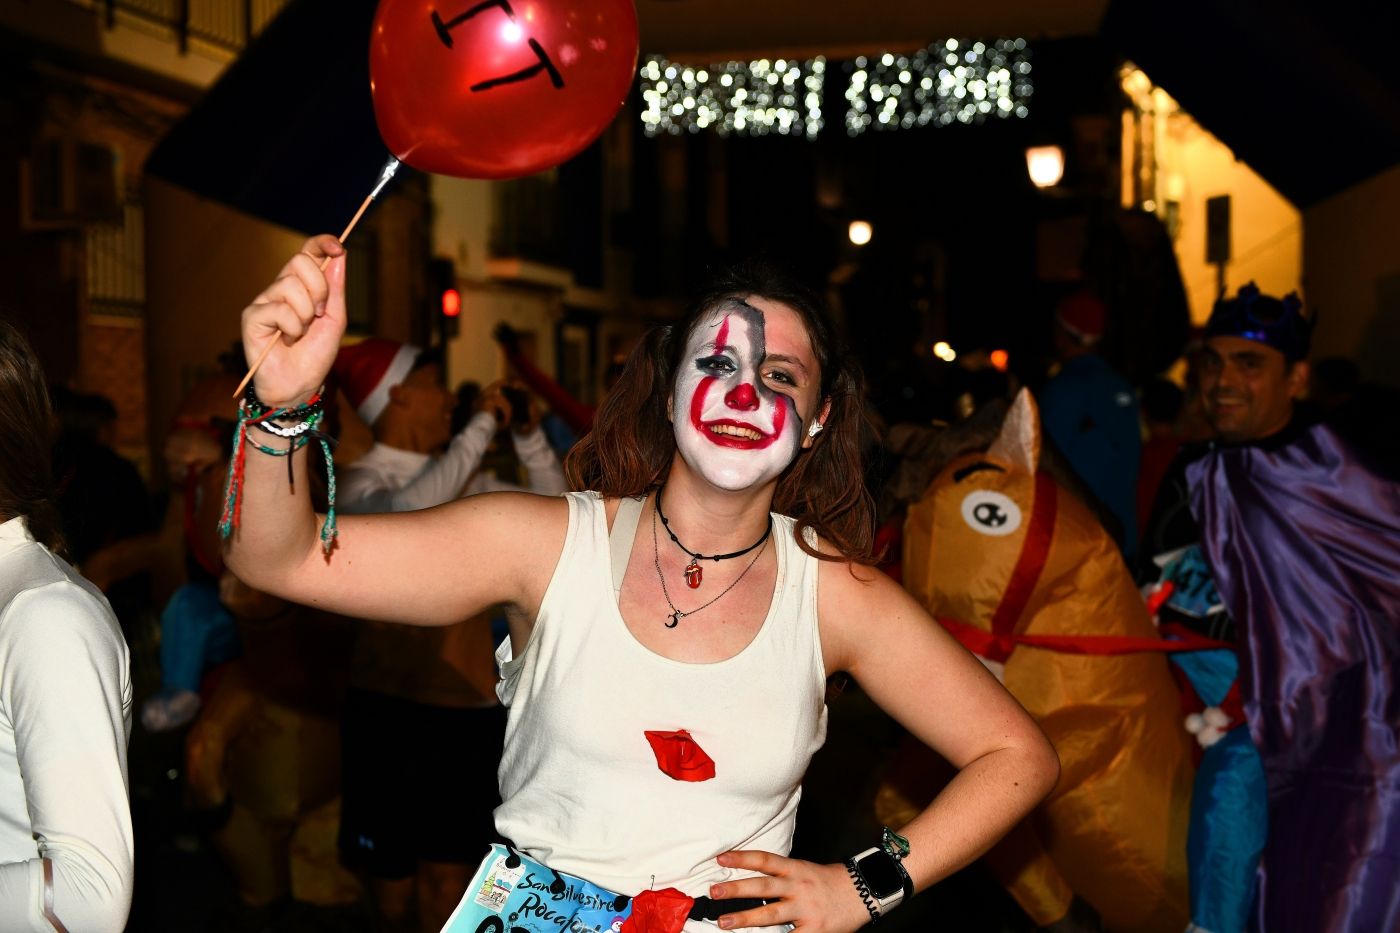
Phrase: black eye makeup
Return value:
(717, 365)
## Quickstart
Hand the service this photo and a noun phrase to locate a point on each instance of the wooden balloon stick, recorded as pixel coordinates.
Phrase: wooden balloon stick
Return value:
(386, 173)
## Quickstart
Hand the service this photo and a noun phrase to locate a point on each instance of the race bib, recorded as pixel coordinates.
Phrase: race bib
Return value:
(512, 893)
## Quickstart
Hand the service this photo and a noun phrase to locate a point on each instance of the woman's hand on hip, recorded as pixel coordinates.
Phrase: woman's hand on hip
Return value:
(304, 308)
(813, 898)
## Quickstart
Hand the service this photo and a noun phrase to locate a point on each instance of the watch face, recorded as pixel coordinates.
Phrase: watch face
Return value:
(879, 871)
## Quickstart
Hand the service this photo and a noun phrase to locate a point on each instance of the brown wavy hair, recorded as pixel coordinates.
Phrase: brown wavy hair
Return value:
(632, 444)
(26, 440)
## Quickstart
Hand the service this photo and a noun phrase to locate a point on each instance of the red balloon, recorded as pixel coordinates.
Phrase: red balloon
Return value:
(500, 88)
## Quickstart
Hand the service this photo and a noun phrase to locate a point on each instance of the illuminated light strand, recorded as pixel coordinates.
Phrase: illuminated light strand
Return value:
(950, 81)
(754, 98)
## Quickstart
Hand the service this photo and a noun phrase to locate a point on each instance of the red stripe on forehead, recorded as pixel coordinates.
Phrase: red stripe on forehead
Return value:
(722, 338)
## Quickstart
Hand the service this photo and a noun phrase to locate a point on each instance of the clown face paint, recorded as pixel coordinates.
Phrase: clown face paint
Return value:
(735, 406)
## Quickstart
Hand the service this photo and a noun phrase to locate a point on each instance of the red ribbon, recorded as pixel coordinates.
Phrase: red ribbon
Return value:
(998, 643)
(999, 647)
(1031, 561)
(663, 911)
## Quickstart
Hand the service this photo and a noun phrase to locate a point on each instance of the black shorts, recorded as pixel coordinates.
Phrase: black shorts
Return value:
(417, 782)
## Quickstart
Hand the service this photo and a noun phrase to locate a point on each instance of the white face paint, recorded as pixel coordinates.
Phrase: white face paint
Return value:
(731, 427)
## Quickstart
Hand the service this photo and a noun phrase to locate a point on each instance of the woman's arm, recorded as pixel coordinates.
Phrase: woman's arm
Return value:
(65, 690)
(915, 671)
(432, 567)
(933, 687)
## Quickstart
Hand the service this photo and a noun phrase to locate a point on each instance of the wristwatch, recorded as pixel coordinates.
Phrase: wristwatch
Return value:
(884, 877)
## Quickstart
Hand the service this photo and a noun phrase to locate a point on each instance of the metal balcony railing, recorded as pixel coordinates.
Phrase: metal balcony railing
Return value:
(224, 24)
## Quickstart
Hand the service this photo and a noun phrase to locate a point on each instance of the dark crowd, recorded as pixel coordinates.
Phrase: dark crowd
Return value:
(1189, 582)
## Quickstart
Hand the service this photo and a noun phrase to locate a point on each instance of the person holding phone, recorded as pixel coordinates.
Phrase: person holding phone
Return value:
(414, 805)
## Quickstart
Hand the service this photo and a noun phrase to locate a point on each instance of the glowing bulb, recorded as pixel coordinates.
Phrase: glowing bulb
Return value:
(860, 232)
(944, 351)
(999, 359)
(511, 32)
(1046, 165)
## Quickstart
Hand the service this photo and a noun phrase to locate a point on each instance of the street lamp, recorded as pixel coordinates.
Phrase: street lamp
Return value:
(1046, 165)
(860, 232)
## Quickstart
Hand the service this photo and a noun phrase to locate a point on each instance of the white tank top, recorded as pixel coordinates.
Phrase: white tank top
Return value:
(582, 789)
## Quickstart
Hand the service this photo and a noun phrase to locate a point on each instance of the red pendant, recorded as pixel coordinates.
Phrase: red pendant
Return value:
(693, 575)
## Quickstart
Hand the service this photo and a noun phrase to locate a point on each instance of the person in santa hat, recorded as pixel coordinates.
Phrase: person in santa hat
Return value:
(416, 804)
(1091, 413)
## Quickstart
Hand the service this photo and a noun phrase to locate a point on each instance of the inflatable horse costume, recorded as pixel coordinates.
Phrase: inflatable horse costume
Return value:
(1025, 577)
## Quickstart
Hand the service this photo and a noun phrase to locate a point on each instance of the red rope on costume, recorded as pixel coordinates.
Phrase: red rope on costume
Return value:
(999, 647)
(1034, 551)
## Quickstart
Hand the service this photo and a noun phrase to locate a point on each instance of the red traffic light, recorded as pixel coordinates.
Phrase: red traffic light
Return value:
(451, 302)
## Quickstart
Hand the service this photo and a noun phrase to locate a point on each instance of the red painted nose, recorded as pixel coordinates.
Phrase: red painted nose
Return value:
(742, 398)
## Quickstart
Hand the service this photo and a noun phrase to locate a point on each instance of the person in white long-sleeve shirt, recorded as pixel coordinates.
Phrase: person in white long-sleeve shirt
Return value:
(422, 728)
(65, 696)
(394, 479)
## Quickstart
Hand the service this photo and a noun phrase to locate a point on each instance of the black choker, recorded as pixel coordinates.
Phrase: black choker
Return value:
(693, 574)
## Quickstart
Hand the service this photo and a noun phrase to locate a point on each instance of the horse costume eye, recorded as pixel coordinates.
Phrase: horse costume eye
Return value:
(991, 513)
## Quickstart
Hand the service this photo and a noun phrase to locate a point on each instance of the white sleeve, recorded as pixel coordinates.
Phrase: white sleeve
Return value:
(546, 476)
(65, 688)
(444, 479)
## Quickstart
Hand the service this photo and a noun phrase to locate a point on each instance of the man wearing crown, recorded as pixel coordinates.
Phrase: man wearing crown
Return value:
(1279, 537)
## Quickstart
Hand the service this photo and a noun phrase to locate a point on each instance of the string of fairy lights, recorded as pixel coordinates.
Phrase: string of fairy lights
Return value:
(949, 81)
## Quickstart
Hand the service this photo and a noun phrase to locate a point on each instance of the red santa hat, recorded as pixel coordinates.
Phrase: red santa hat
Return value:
(366, 371)
(1084, 315)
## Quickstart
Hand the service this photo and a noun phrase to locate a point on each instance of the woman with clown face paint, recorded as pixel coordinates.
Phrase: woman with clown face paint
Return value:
(672, 628)
(739, 427)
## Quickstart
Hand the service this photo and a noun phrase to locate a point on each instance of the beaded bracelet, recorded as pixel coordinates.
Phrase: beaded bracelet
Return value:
(898, 847)
(296, 430)
(863, 890)
(308, 418)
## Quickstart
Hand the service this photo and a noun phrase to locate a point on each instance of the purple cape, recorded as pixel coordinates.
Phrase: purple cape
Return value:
(1304, 545)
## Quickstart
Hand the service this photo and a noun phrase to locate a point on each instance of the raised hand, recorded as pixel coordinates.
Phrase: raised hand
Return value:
(507, 337)
(492, 399)
(304, 308)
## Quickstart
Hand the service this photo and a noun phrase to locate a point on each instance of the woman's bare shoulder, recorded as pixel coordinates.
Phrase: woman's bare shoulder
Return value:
(850, 597)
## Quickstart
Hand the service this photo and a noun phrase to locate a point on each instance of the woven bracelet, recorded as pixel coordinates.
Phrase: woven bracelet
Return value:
(309, 418)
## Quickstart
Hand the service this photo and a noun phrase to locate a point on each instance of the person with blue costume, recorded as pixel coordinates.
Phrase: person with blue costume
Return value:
(1297, 548)
(1091, 413)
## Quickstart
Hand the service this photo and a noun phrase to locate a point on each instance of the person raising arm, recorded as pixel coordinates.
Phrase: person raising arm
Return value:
(671, 629)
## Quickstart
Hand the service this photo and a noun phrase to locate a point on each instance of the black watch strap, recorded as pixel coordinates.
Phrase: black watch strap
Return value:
(881, 875)
(863, 890)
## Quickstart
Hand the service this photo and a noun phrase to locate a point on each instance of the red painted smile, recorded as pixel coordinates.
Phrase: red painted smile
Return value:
(726, 432)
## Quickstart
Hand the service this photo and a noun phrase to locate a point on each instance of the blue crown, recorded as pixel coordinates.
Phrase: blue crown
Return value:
(1275, 322)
